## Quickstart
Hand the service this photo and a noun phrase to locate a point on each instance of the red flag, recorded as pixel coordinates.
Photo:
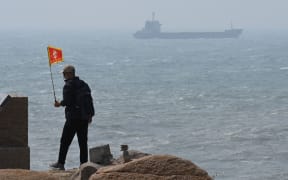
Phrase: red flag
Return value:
(54, 55)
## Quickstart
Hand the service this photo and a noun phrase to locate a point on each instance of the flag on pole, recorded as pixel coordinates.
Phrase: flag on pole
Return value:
(54, 55)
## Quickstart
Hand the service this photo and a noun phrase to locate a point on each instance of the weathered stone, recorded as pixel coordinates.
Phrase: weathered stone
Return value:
(135, 176)
(163, 167)
(124, 147)
(14, 122)
(85, 171)
(153, 167)
(133, 154)
(14, 149)
(16, 174)
(101, 155)
(14, 157)
(125, 155)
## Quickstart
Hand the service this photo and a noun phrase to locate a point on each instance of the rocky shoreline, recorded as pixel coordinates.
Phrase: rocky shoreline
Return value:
(140, 166)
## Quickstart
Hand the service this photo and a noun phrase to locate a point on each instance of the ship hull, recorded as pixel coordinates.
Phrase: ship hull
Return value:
(231, 33)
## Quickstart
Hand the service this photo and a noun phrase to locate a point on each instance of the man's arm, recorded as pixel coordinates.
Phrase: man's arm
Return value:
(67, 96)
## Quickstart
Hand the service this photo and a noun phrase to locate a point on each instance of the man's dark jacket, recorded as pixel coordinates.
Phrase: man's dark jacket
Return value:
(69, 98)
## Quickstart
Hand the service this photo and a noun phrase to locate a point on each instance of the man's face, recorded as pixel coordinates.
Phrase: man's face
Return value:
(67, 75)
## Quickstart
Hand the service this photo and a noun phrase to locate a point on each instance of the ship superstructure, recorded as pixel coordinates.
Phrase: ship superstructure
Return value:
(152, 29)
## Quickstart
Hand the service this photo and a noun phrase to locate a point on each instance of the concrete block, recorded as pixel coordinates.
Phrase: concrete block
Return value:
(101, 155)
(14, 158)
(14, 121)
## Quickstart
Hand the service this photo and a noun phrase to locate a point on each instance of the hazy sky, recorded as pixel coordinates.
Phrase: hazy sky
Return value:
(131, 14)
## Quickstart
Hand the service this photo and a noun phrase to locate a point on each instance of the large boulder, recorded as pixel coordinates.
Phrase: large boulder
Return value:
(153, 167)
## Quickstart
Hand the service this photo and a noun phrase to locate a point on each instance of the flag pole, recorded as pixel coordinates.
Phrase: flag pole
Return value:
(52, 84)
(54, 56)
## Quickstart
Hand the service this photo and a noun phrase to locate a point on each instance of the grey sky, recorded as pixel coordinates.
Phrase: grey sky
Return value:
(131, 14)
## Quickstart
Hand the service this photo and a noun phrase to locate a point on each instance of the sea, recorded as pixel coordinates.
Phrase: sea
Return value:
(221, 103)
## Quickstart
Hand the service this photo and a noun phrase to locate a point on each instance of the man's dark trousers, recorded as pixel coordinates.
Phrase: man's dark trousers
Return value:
(72, 127)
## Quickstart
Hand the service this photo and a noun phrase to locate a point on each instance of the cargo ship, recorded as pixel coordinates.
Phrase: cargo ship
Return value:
(152, 29)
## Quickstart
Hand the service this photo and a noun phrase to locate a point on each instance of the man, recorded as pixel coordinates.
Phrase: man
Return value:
(75, 123)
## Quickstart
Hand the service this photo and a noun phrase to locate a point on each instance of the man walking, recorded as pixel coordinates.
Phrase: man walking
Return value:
(76, 122)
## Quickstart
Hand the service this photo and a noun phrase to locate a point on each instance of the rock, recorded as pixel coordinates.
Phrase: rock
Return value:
(101, 155)
(153, 167)
(134, 176)
(16, 174)
(125, 154)
(85, 171)
(133, 154)
(137, 154)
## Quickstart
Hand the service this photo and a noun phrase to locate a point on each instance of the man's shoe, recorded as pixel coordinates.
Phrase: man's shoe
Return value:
(57, 166)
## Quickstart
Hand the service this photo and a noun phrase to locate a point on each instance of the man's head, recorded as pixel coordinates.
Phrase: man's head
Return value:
(69, 72)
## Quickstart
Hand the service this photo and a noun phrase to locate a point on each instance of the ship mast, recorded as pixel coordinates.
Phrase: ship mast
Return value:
(153, 16)
(231, 24)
